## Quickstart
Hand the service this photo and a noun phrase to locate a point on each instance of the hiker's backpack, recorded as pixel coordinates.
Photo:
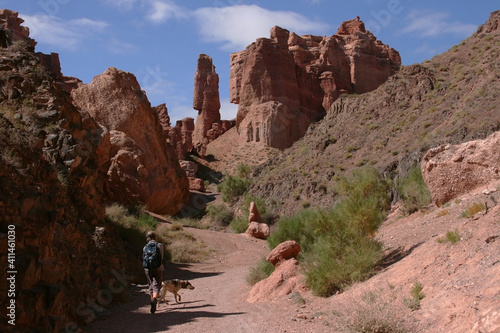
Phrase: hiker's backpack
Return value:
(151, 256)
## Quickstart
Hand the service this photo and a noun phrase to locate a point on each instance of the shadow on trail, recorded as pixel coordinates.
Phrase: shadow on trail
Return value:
(182, 272)
(162, 320)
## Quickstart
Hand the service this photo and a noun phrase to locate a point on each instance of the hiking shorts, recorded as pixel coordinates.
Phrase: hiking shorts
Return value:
(155, 277)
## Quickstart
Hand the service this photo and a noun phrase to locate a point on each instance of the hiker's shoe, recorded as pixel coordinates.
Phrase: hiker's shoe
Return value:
(153, 305)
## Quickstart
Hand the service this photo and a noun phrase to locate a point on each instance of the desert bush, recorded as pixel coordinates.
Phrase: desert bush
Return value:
(416, 296)
(337, 244)
(239, 225)
(413, 191)
(373, 312)
(220, 214)
(451, 236)
(473, 209)
(243, 170)
(233, 187)
(260, 272)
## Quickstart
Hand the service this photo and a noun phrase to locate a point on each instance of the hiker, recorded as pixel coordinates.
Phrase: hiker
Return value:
(152, 260)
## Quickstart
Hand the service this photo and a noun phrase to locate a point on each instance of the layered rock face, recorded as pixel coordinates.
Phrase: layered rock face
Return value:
(208, 126)
(450, 171)
(12, 31)
(140, 165)
(284, 83)
(179, 136)
(52, 201)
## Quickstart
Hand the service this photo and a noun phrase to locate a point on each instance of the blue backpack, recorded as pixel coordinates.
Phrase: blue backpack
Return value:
(151, 256)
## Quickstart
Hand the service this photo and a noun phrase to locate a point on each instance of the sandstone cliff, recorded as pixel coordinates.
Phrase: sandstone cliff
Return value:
(284, 83)
(140, 165)
(52, 198)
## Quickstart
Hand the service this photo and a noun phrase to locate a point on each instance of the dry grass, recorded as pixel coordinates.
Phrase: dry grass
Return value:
(381, 311)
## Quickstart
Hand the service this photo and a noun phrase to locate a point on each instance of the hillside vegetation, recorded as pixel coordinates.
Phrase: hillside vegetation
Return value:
(452, 98)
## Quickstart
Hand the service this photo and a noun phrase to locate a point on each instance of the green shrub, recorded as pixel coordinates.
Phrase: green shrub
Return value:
(239, 225)
(220, 214)
(413, 191)
(232, 187)
(416, 296)
(260, 272)
(337, 247)
(243, 170)
(451, 236)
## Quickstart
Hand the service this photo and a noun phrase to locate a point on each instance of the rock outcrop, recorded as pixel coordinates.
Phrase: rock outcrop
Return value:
(12, 30)
(284, 251)
(452, 170)
(286, 278)
(206, 100)
(256, 226)
(179, 136)
(284, 83)
(141, 166)
(52, 203)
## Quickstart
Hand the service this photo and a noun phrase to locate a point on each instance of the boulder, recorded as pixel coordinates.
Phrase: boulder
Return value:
(190, 167)
(452, 170)
(258, 230)
(196, 184)
(285, 279)
(284, 251)
(256, 226)
(283, 83)
(143, 167)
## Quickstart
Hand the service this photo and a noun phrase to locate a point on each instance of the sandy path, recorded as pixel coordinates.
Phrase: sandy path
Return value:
(217, 304)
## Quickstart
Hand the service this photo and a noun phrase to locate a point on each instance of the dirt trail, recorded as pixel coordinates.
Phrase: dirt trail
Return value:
(218, 302)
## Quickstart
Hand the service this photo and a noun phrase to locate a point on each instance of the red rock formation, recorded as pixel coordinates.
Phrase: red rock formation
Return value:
(142, 166)
(450, 171)
(52, 199)
(256, 227)
(284, 251)
(286, 278)
(283, 83)
(205, 98)
(12, 29)
(52, 64)
(179, 136)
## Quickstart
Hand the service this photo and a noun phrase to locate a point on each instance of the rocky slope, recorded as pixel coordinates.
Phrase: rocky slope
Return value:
(52, 198)
(64, 260)
(452, 98)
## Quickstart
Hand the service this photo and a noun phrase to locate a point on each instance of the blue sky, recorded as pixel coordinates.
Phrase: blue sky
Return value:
(159, 40)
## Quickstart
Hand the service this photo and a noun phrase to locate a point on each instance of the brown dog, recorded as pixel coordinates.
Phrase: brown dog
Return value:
(173, 286)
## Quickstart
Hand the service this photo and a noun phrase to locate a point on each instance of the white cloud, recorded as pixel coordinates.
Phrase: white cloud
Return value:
(63, 34)
(238, 26)
(431, 24)
(162, 11)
